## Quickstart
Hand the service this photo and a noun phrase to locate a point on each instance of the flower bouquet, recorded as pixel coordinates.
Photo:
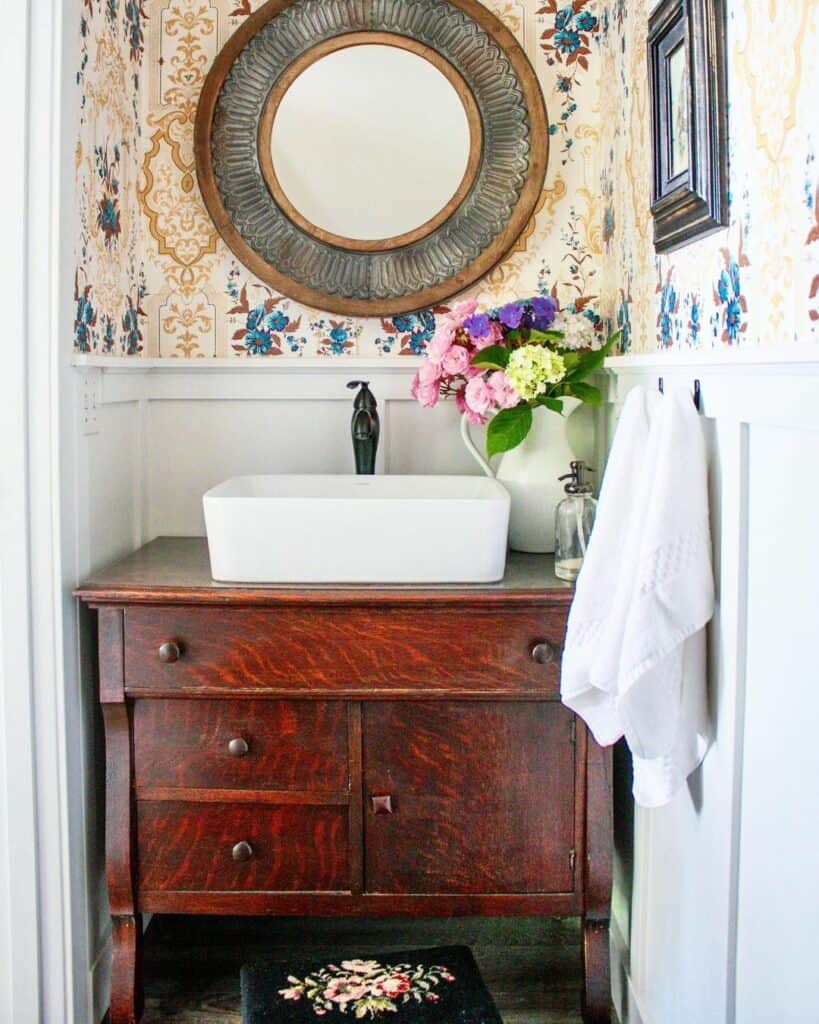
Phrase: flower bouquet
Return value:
(502, 364)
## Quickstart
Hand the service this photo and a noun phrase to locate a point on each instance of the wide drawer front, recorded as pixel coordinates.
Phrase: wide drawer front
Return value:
(241, 744)
(193, 847)
(343, 651)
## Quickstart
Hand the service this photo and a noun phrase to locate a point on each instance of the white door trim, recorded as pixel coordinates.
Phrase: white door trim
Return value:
(41, 950)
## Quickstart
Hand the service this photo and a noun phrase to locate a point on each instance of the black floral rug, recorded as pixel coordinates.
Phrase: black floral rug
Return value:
(420, 985)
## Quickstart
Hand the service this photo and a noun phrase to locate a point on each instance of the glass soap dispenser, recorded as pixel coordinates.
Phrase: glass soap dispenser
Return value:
(574, 519)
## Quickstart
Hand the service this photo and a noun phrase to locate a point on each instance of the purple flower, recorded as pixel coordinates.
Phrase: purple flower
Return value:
(544, 308)
(511, 315)
(477, 325)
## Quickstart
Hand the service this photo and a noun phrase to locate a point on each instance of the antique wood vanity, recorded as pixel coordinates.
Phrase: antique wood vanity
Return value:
(332, 750)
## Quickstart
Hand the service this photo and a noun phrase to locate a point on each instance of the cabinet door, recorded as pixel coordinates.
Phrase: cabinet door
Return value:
(481, 795)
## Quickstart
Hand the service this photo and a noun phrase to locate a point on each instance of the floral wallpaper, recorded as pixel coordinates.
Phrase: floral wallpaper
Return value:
(756, 282)
(109, 283)
(155, 279)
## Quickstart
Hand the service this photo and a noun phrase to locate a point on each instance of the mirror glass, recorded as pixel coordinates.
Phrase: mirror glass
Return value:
(370, 142)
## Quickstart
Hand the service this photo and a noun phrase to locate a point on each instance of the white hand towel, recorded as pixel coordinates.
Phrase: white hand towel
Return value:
(634, 658)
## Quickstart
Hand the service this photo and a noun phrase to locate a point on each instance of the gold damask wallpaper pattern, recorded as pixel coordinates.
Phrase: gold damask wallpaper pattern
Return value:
(757, 281)
(175, 279)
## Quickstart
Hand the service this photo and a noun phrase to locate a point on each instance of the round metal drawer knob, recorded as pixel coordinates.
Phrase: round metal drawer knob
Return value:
(544, 653)
(242, 852)
(169, 652)
(238, 747)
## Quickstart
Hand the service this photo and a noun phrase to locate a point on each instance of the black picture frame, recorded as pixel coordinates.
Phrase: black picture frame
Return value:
(689, 117)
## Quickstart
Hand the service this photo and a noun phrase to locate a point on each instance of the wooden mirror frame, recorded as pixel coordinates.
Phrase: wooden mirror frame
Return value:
(382, 277)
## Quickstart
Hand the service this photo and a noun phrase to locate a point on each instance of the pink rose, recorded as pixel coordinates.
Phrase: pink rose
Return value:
(441, 342)
(503, 394)
(343, 990)
(456, 361)
(463, 408)
(426, 394)
(394, 986)
(478, 396)
(430, 373)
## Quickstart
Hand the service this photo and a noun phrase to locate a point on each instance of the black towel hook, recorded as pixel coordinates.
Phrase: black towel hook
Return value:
(697, 392)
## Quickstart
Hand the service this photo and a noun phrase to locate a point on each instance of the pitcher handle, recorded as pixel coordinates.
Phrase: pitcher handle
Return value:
(473, 451)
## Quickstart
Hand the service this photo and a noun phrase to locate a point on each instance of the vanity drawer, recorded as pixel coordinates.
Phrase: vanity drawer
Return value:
(241, 744)
(351, 651)
(192, 847)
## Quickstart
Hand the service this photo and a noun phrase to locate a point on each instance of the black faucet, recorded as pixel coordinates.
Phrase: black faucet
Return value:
(365, 428)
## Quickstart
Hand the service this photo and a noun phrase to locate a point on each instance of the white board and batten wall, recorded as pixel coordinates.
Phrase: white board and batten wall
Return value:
(724, 891)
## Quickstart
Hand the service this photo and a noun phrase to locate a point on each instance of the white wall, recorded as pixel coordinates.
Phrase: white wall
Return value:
(724, 898)
(779, 822)
(199, 426)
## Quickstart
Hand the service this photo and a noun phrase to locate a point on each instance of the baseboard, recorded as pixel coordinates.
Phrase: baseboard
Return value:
(99, 978)
(626, 1004)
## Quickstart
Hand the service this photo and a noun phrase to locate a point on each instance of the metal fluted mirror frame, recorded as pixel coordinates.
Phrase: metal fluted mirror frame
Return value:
(397, 275)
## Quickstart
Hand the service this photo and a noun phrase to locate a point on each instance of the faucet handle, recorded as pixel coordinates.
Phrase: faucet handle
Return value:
(365, 399)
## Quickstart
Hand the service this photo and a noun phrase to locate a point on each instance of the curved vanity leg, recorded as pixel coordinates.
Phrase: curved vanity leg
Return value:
(126, 969)
(120, 860)
(597, 912)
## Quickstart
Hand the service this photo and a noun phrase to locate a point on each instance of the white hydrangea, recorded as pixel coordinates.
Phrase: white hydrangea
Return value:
(532, 368)
(577, 330)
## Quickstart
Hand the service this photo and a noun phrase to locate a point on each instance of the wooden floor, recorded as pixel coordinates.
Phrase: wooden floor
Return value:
(532, 967)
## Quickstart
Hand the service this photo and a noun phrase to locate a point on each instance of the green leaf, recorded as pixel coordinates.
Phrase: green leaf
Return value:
(554, 404)
(507, 429)
(586, 393)
(545, 336)
(496, 357)
(592, 360)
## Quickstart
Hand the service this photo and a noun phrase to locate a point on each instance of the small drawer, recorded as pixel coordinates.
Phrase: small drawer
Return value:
(345, 651)
(222, 847)
(241, 744)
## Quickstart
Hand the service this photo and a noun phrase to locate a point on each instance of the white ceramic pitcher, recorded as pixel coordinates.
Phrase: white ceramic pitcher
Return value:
(530, 473)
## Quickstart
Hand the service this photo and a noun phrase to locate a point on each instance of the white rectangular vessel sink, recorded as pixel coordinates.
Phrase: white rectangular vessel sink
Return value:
(357, 529)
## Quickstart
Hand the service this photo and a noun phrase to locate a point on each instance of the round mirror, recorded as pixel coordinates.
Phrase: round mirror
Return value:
(371, 159)
(394, 135)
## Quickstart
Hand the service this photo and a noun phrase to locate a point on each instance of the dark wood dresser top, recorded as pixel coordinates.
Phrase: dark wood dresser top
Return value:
(172, 570)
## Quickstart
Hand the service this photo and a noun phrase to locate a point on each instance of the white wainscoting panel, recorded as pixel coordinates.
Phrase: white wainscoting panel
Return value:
(724, 904)
(779, 825)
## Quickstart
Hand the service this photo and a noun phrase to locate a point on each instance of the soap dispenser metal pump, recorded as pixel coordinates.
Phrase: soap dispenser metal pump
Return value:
(365, 428)
(574, 519)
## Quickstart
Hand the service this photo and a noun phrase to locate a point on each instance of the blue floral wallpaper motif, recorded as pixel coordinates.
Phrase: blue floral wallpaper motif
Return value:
(567, 42)
(754, 282)
(265, 328)
(409, 333)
